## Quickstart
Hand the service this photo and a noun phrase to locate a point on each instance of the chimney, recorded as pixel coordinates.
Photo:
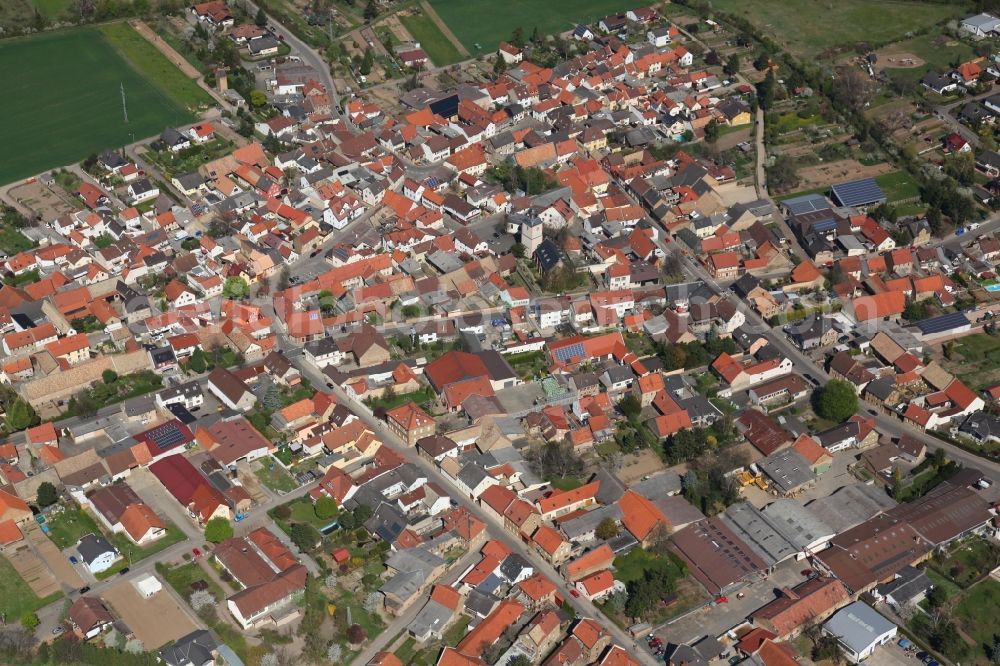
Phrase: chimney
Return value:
(791, 594)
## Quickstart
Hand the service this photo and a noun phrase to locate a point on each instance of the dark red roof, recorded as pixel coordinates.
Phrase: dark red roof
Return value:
(178, 476)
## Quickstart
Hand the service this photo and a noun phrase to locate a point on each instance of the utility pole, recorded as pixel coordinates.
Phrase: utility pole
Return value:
(124, 108)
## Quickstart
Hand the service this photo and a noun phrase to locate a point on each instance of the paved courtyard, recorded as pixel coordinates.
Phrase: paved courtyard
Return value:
(717, 620)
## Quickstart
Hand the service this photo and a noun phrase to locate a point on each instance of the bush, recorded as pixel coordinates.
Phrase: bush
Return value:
(47, 494)
(836, 401)
(282, 512)
(218, 530)
(356, 634)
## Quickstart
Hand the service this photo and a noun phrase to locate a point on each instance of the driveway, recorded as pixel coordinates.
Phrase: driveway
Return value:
(163, 503)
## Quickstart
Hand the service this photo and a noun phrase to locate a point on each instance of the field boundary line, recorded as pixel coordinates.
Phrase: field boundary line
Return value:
(443, 27)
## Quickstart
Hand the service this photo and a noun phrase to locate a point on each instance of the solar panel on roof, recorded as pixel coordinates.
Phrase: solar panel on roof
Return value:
(858, 192)
(574, 350)
(943, 323)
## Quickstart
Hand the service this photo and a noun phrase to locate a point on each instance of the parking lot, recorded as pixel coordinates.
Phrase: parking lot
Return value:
(717, 620)
(893, 655)
(155, 621)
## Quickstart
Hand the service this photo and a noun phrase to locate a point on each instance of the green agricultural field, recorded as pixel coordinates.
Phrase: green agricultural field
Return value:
(438, 47)
(807, 28)
(488, 23)
(62, 98)
(16, 596)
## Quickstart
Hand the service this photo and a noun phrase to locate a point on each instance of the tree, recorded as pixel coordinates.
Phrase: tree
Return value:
(82, 405)
(261, 19)
(258, 98)
(517, 249)
(519, 660)
(630, 406)
(235, 288)
(218, 530)
(356, 634)
(553, 459)
(517, 38)
(783, 174)
(29, 620)
(20, 415)
(766, 91)
(367, 61)
(607, 529)
(362, 513)
(851, 87)
(326, 508)
(347, 521)
(201, 598)
(282, 512)
(897, 482)
(937, 597)
(836, 401)
(305, 536)
(47, 494)
(371, 11)
(499, 64)
(109, 376)
(197, 363)
(712, 131)
(732, 65)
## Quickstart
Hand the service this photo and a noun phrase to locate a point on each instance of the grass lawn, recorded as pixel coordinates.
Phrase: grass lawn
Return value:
(974, 610)
(565, 482)
(371, 622)
(898, 186)
(182, 576)
(145, 57)
(13, 241)
(937, 53)
(138, 553)
(420, 397)
(438, 47)
(52, 8)
(75, 76)
(302, 512)
(276, 479)
(968, 561)
(66, 528)
(980, 360)
(15, 595)
(793, 22)
(531, 364)
(634, 565)
(488, 23)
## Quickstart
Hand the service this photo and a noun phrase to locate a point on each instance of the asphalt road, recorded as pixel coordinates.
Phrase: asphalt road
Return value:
(496, 529)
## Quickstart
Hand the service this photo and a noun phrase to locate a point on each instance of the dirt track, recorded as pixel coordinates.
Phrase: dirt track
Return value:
(173, 56)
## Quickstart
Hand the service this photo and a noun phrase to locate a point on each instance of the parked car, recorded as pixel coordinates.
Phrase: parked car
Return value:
(73, 560)
(196, 552)
(575, 593)
(58, 629)
(123, 571)
(85, 589)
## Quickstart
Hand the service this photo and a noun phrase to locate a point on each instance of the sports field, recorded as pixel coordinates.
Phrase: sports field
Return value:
(62, 100)
(810, 27)
(488, 22)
